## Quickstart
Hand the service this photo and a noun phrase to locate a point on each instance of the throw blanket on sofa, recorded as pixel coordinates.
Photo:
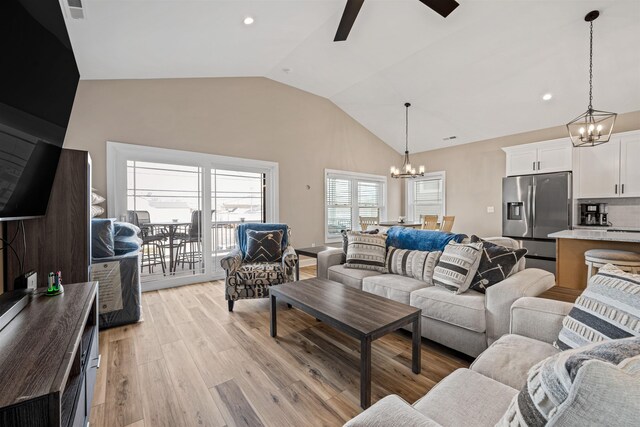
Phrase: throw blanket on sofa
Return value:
(420, 240)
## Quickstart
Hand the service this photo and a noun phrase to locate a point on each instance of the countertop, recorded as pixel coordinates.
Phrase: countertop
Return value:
(583, 234)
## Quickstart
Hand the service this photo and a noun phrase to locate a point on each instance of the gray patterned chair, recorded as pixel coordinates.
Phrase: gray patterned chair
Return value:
(248, 280)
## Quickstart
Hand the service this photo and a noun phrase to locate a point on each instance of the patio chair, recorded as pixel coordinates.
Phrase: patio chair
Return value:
(152, 243)
(248, 280)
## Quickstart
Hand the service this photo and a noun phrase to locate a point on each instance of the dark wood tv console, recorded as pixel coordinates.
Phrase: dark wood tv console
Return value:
(49, 359)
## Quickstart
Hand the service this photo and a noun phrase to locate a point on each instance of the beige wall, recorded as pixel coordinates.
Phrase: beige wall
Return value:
(243, 117)
(474, 174)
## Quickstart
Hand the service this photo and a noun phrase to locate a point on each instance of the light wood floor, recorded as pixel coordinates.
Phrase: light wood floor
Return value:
(192, 363)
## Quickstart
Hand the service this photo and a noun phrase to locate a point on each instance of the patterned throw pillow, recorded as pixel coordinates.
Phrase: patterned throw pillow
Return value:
(457, 266)
(345, 240)
(608, 309)
(495, 265)
(366, 251)
(595, 385)
(416, 264)
(264, 246)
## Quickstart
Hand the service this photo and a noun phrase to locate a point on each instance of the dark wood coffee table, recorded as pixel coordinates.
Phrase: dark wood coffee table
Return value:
(359, 314)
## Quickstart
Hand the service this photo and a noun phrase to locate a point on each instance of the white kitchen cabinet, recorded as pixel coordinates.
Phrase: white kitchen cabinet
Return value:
(522, 162)
(554, 157)
(630, 165)
(599, 170)
(539, 157)
(610, 170)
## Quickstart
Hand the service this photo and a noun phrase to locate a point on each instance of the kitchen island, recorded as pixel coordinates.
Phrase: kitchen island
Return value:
(571, 271)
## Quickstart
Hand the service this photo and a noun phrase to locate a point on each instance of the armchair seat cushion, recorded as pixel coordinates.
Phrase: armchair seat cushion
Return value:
(465, 310)
(392, 286)
(263, 273)
(349, 276)
(466, 398)
(509, 359)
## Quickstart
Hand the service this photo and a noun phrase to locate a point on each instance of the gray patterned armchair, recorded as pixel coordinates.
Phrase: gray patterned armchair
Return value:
(246, 280)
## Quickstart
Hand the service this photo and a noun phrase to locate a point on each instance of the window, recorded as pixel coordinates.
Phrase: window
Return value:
(348, 196)
(426, 196)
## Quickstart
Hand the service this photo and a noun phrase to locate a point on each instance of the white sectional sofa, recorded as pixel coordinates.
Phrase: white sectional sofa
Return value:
(468, 322)
(481, 395)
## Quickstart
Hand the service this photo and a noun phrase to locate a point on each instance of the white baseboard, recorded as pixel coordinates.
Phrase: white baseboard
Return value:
(307, 262)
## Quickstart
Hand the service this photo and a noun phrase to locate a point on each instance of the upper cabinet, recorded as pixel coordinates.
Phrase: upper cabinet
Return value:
(611, 169)
(539, 157)
(630, 165)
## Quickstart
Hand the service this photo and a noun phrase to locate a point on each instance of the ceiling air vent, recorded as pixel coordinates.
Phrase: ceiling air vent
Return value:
(75, 9)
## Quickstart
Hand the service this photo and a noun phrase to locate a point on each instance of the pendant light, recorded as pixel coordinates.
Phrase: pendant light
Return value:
(593, 127)
(406, 171)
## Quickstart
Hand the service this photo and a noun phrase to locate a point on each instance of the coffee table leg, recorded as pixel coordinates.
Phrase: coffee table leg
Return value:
(416, 350)
(274, 322)
(365, 372)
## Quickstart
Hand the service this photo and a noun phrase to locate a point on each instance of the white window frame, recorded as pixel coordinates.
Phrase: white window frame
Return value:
(119, 153)
(354, 177)
(409, 191)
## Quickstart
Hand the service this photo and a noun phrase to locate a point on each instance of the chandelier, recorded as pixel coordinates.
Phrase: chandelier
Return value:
(593, 127)
(406, 171)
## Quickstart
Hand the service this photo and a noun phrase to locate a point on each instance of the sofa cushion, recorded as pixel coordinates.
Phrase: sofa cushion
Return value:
(366, 252)
(416, 264)
(391, 411)
(496, 264)
(457, 266)
(345, 241)
(420, 240)
(264, 246)
(509, 359)
(608, 309)
(595, 385)
(466, 310)
(466, 398)
(392, 286)
(510, 243)
(349, 276)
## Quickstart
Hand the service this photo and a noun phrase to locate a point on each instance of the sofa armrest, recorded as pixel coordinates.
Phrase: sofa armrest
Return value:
(326, 259)
(391, 411)
(232, 261)
(529, 282)
(538, 318)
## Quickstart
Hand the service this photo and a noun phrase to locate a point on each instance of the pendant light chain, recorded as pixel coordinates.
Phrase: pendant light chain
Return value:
(591, 65)
(406, 129)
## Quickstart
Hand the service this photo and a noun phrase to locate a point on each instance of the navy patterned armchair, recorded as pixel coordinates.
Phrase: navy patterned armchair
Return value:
(247, 280)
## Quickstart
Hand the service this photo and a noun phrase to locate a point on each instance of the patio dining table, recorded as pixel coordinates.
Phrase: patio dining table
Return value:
(171, 228)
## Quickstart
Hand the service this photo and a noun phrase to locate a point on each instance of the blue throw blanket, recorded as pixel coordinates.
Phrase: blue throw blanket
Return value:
(242, 233)
(420, 240)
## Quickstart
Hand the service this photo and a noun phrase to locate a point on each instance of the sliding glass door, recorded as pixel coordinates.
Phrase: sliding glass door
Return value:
(236, 197)
(185, 234)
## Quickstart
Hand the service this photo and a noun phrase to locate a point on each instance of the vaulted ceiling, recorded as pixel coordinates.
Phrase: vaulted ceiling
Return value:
(478, 74)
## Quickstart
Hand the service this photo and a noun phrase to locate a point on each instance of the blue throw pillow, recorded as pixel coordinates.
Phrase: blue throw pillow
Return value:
(102, 244)
(123, 230)
(421, 240)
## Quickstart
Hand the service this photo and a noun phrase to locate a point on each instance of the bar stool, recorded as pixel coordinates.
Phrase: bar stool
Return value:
(624, 260)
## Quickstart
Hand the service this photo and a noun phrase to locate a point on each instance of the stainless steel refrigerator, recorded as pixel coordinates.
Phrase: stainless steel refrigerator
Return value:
(533, 206)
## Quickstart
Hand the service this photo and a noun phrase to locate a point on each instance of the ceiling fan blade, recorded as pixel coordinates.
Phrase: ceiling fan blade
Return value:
(348, 18)
(441, 7)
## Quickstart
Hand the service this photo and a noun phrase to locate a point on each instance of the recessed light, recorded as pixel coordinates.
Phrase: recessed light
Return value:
(547, 96)
(248, 20)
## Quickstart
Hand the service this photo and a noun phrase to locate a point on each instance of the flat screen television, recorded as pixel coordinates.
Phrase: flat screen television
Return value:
(38, 81)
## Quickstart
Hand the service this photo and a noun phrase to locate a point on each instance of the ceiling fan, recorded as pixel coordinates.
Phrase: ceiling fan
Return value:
(351, 10)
